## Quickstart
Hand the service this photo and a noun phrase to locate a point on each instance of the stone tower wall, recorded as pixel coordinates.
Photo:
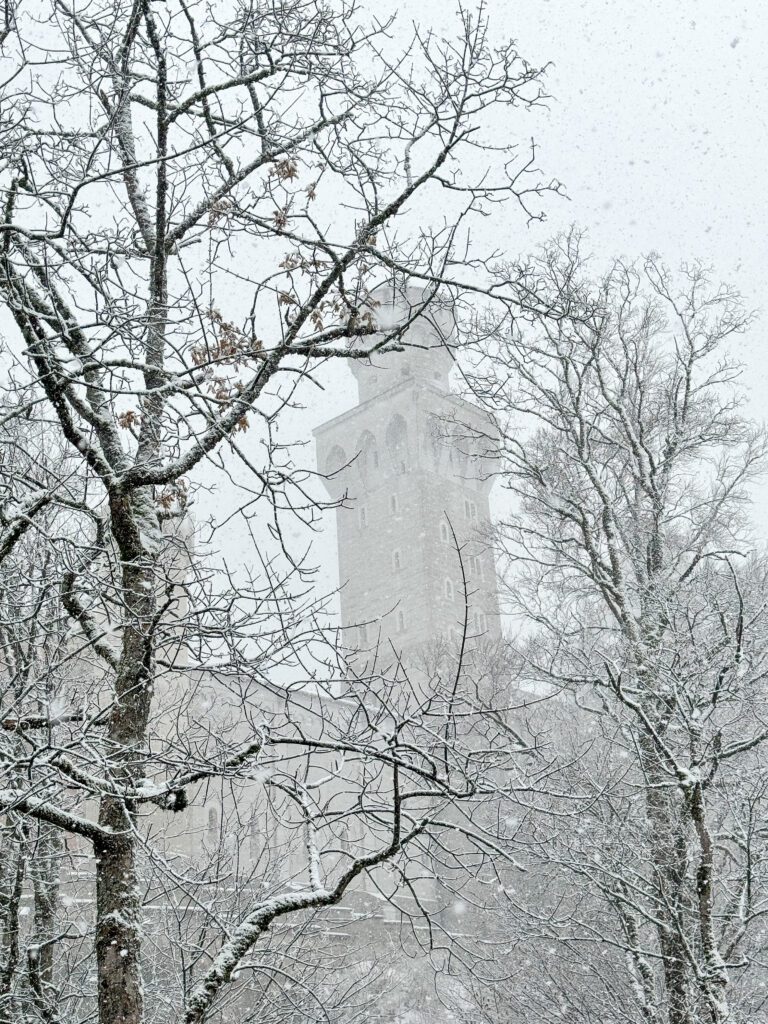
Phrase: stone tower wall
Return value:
(408, 480)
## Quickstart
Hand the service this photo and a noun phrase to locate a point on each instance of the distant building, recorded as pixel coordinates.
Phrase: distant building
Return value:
(412, 485)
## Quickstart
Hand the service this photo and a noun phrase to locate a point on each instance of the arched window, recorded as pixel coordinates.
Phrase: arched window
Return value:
(448, 590)
(397, 443)
(367, 460)
(397, 562)
(335, 477)
(444, 535)
(336, 461)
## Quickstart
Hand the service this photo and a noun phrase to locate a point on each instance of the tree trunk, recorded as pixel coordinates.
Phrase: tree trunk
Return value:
(11, 883)
(118, 934)
(669, 860)
(118, 899)
(44, 872)
(715, 980)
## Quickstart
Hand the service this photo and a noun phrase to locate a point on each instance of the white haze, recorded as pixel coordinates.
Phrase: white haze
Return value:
(656, 127)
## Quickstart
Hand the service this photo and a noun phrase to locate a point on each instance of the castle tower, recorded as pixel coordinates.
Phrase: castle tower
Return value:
(410, 480)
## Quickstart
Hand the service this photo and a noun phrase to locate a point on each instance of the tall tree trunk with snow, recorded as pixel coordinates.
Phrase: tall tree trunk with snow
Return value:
(669, 857)
(44, 869)
(12, 871)
(118, 906)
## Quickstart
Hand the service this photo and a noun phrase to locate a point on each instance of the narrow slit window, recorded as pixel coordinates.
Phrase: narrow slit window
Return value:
(394, 504)
(363, 517)
(448, 590)
(397, 561)
(400, 621)
(444, 533)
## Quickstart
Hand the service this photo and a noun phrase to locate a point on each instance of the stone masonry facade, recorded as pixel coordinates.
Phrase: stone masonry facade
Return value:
(413, 484)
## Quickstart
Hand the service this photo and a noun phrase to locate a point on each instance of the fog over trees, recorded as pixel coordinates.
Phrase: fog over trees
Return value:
(214, 805)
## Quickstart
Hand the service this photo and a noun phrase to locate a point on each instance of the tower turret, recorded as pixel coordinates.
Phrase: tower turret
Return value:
(411, 478)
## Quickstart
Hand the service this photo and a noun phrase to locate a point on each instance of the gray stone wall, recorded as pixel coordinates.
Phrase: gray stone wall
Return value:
(409, 478)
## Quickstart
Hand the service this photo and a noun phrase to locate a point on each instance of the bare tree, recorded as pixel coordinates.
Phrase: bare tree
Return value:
(197, 203)
(634, 571)
(39, 508)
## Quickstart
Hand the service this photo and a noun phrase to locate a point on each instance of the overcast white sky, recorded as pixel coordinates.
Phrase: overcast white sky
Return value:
(656, 127)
